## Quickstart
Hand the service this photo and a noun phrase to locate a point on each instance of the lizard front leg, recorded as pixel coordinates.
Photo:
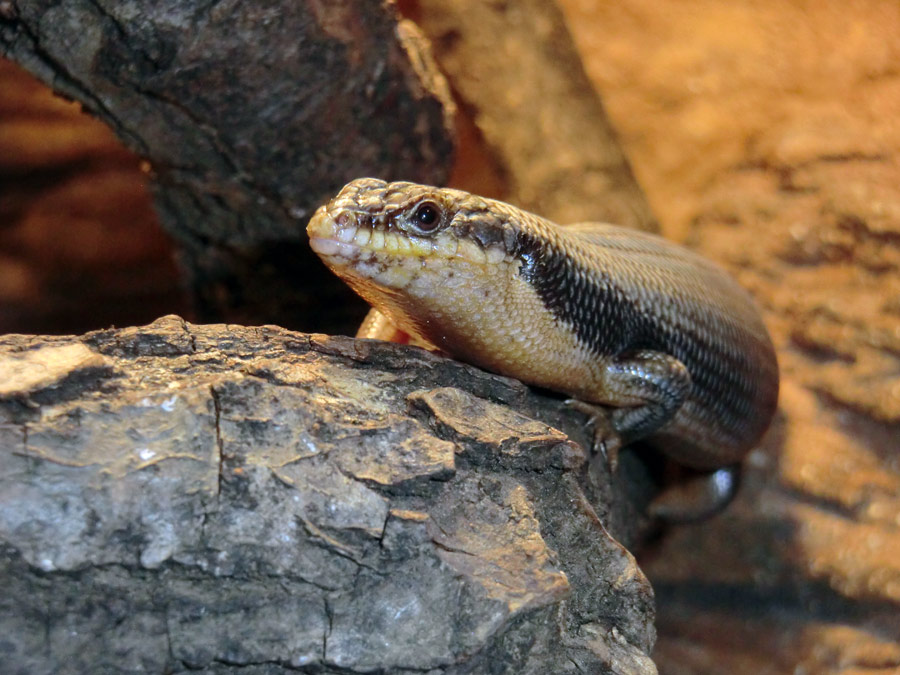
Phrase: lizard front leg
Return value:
(637, 393)
(376, 326)
(647, 389)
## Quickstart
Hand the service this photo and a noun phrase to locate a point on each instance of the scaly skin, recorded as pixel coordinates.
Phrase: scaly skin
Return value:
(669, 345)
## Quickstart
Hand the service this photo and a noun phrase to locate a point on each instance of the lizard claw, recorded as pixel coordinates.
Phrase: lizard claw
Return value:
(607, 441)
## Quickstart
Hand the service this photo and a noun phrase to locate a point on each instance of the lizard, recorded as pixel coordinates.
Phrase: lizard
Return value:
(655, 341)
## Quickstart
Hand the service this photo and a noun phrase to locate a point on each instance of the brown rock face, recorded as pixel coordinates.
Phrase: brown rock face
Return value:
(766, 135)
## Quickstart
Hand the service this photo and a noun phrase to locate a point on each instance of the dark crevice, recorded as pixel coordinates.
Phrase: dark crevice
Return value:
(849, 157)
(826, 505)
(460, 551)
(329, 615)
(332, 545)
(217, 406)
(186, 328)
(576, 665)
(878, 435)
(763, 164)
(233, 665)
(48, 628)
(816, 600)
(168, 628)
(820, 352)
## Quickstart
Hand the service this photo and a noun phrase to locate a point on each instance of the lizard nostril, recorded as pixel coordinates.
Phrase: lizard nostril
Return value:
(343, 219)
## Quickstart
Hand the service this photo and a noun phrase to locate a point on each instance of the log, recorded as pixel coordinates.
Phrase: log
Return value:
(249, 116)
(542, 126)
(218, 498)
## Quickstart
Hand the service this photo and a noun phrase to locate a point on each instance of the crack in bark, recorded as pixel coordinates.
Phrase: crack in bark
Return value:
(168, 631)
(217, 407)
(333, 545)
(329, 615)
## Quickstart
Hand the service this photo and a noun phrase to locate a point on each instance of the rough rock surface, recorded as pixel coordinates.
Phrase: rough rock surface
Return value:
(210, 498)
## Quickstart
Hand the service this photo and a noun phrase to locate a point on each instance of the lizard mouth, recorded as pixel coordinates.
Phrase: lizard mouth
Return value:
(331, 237)
(343, 236)
(325, 246)
(341, 240)
(372, 260)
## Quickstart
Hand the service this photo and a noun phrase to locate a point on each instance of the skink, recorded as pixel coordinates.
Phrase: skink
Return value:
(662, 340)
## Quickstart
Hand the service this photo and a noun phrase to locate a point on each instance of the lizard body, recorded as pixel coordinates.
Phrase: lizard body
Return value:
(661, 338)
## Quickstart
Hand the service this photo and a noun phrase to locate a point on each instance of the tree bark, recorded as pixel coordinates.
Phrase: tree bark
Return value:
(249, 115)
(543, 128)
(182, 497)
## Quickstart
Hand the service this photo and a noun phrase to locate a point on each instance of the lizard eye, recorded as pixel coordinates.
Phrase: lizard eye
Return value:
(426, 217)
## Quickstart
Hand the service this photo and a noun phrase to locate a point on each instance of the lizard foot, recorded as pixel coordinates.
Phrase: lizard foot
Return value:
(607, 442)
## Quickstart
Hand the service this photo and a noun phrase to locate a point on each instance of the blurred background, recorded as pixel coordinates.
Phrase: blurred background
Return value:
(80, 244)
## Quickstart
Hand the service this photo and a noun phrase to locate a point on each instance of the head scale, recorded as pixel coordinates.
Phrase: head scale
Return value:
(424, 211)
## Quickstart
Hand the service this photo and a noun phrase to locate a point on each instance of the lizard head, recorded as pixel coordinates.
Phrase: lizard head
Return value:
(428, 218)
(391, 231)
(420, 254)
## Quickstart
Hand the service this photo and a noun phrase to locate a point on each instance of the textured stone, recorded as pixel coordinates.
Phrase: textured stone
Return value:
(221, 497)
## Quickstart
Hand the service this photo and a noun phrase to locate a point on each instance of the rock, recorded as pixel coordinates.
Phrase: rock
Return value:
(211, 498)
